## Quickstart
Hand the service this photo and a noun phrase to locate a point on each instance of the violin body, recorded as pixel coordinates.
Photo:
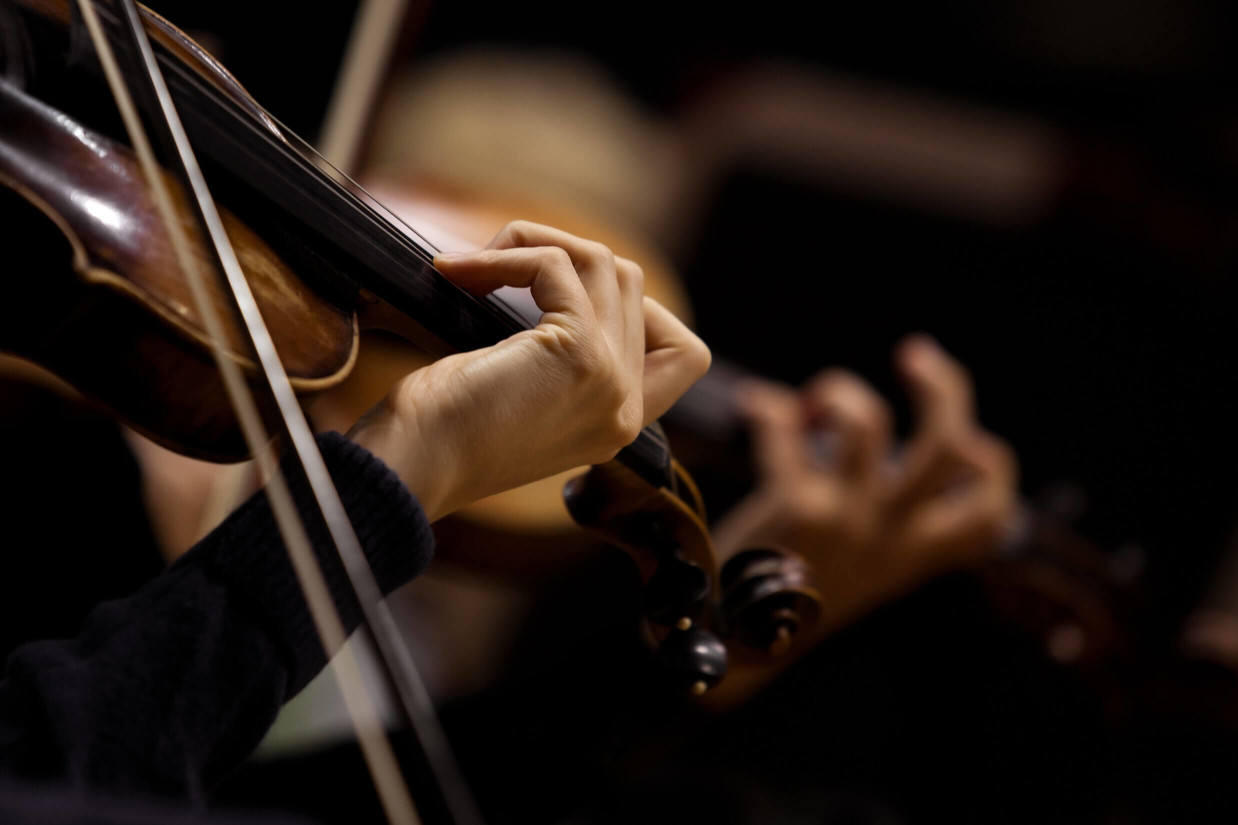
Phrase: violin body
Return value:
(126, 332)
(344, 245)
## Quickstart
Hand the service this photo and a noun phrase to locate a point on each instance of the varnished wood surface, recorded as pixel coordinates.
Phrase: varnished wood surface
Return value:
(101, 302)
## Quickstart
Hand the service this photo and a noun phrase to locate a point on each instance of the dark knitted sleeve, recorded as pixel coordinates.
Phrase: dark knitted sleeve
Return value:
(166, 689)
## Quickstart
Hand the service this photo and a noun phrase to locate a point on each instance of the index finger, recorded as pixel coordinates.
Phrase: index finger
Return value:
(595, 264)
(546, 271)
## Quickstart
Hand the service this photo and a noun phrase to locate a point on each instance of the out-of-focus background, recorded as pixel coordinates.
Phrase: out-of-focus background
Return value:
(1048, 188)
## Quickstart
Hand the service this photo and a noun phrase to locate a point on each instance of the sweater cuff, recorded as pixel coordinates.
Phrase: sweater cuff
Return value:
(251, 559)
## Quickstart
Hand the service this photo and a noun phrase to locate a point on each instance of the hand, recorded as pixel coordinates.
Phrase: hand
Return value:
(603, 362)
(872, 524)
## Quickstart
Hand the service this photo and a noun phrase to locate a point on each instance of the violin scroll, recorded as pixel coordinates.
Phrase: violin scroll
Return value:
(768, 598)
(760, 602)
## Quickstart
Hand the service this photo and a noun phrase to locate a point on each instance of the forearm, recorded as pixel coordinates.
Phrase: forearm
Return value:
(168, 688)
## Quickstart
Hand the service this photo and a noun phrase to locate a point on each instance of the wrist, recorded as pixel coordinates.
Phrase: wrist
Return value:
(397, 442)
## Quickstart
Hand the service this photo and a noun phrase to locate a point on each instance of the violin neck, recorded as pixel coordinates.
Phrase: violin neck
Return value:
(338, 238)
(371, 249)
(361, 244)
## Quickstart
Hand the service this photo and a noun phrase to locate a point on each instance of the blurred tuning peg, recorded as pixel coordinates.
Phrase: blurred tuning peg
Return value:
(767, 598)
(693, 658)
(676, 590)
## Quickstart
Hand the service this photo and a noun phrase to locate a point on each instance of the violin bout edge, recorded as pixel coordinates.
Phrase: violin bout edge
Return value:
(90, 328)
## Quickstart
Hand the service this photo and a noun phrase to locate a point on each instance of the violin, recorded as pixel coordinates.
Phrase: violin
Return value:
(325, 261)
(319, 260)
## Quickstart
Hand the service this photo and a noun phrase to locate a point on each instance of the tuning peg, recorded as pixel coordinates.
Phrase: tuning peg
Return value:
(678, 589)
(767, 598)
(693, 658)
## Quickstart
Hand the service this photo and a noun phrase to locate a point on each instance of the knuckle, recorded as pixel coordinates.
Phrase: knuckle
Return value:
(629, 274)
(697, 356)
(554, 257)
(617, 429)
(510, 236)
(518, 231)
(577, 358)
(599, 252)
(616, 392)
(629, 420)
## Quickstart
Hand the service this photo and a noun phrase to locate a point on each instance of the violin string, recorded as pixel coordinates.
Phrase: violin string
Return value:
(392, 790)
(339, 185)
(649, 454)
(389, 247)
